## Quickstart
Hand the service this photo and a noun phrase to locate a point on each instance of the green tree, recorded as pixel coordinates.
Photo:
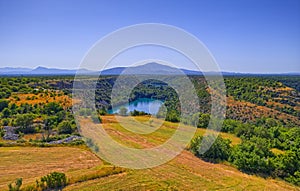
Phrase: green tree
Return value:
(52, 181)
(17, 186)
(95, 118)
(123, 111)
(85, 112)
(65, 127)
(49, 123)
(2, 132)
(172, 116)
(52, 108)
(229, 125)
(216, 148)
(253, 156)
(162, 112)
(13, 108)
(6, 113)
(204, 120)
(3, 104)
(286, 164)
(25, 121)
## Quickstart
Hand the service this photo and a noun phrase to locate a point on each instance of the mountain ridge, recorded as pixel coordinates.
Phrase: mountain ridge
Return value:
(148, 68)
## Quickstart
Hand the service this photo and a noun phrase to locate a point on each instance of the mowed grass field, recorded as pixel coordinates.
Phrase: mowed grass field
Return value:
(185, 172)
(31, 163)
(118, 127)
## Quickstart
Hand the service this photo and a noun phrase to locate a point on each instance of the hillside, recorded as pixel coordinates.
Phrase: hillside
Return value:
(185, 172)
(262, 112)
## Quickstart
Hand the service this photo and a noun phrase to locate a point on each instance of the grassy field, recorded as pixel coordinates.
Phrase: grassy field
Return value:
(185, 172)
(31, 163)
(86, 171)
(128, 138)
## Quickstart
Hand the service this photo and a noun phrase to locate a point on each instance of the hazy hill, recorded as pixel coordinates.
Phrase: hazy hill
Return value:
(149, 68)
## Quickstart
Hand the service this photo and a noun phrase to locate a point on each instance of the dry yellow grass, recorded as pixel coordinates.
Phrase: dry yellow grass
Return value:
(114, 129)
(42, 98)
(31, 163)
(185, 172)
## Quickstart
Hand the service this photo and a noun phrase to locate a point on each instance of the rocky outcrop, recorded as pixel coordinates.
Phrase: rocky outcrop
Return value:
(66, 140)
(10, 133)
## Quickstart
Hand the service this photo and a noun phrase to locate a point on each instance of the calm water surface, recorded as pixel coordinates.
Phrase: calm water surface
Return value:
(142, 104)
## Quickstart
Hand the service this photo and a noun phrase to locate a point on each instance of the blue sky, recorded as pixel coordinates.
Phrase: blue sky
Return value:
(253, 36)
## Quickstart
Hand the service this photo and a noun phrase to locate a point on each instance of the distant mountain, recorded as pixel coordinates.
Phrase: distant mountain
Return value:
(149, 68)
(113, 71)
(155, 68)
(9, 71)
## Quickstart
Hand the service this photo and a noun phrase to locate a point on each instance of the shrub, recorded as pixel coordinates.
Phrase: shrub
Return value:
(162, 112)
(6, 113)
(219, 150)
(253, 156)
(25, 122)
(203, 120)
(3, 104)
(230, 125)
(173, 116)
(138, 113)
(65, 127)
(2, 133)
(123, 111)
(85, 112)
(95, 117)
(17, 186)
(52, 108)
(102, 112)
(294, 179)
(54, 180)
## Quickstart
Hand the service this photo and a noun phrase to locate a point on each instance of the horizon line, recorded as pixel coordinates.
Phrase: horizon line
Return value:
(91, 70)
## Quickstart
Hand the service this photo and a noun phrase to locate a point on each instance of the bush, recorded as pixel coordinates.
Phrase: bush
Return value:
(54, 180)
(95, 117)
(85, 112)
(52, 108)
(2, 133)
(6, 113)
(287, 165)
(65, 127)
(138, 113)
(5, 122)
(203, 120)
(162, 112)
(17, 186)
(230, 125)
(220, 149)
(102, 112)
(173, 116)
(25, 122)
(123, 111)
(253, 156)
(3, 104)
(295, 179)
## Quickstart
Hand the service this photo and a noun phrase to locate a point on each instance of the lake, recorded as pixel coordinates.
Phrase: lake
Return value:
(142, 104)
